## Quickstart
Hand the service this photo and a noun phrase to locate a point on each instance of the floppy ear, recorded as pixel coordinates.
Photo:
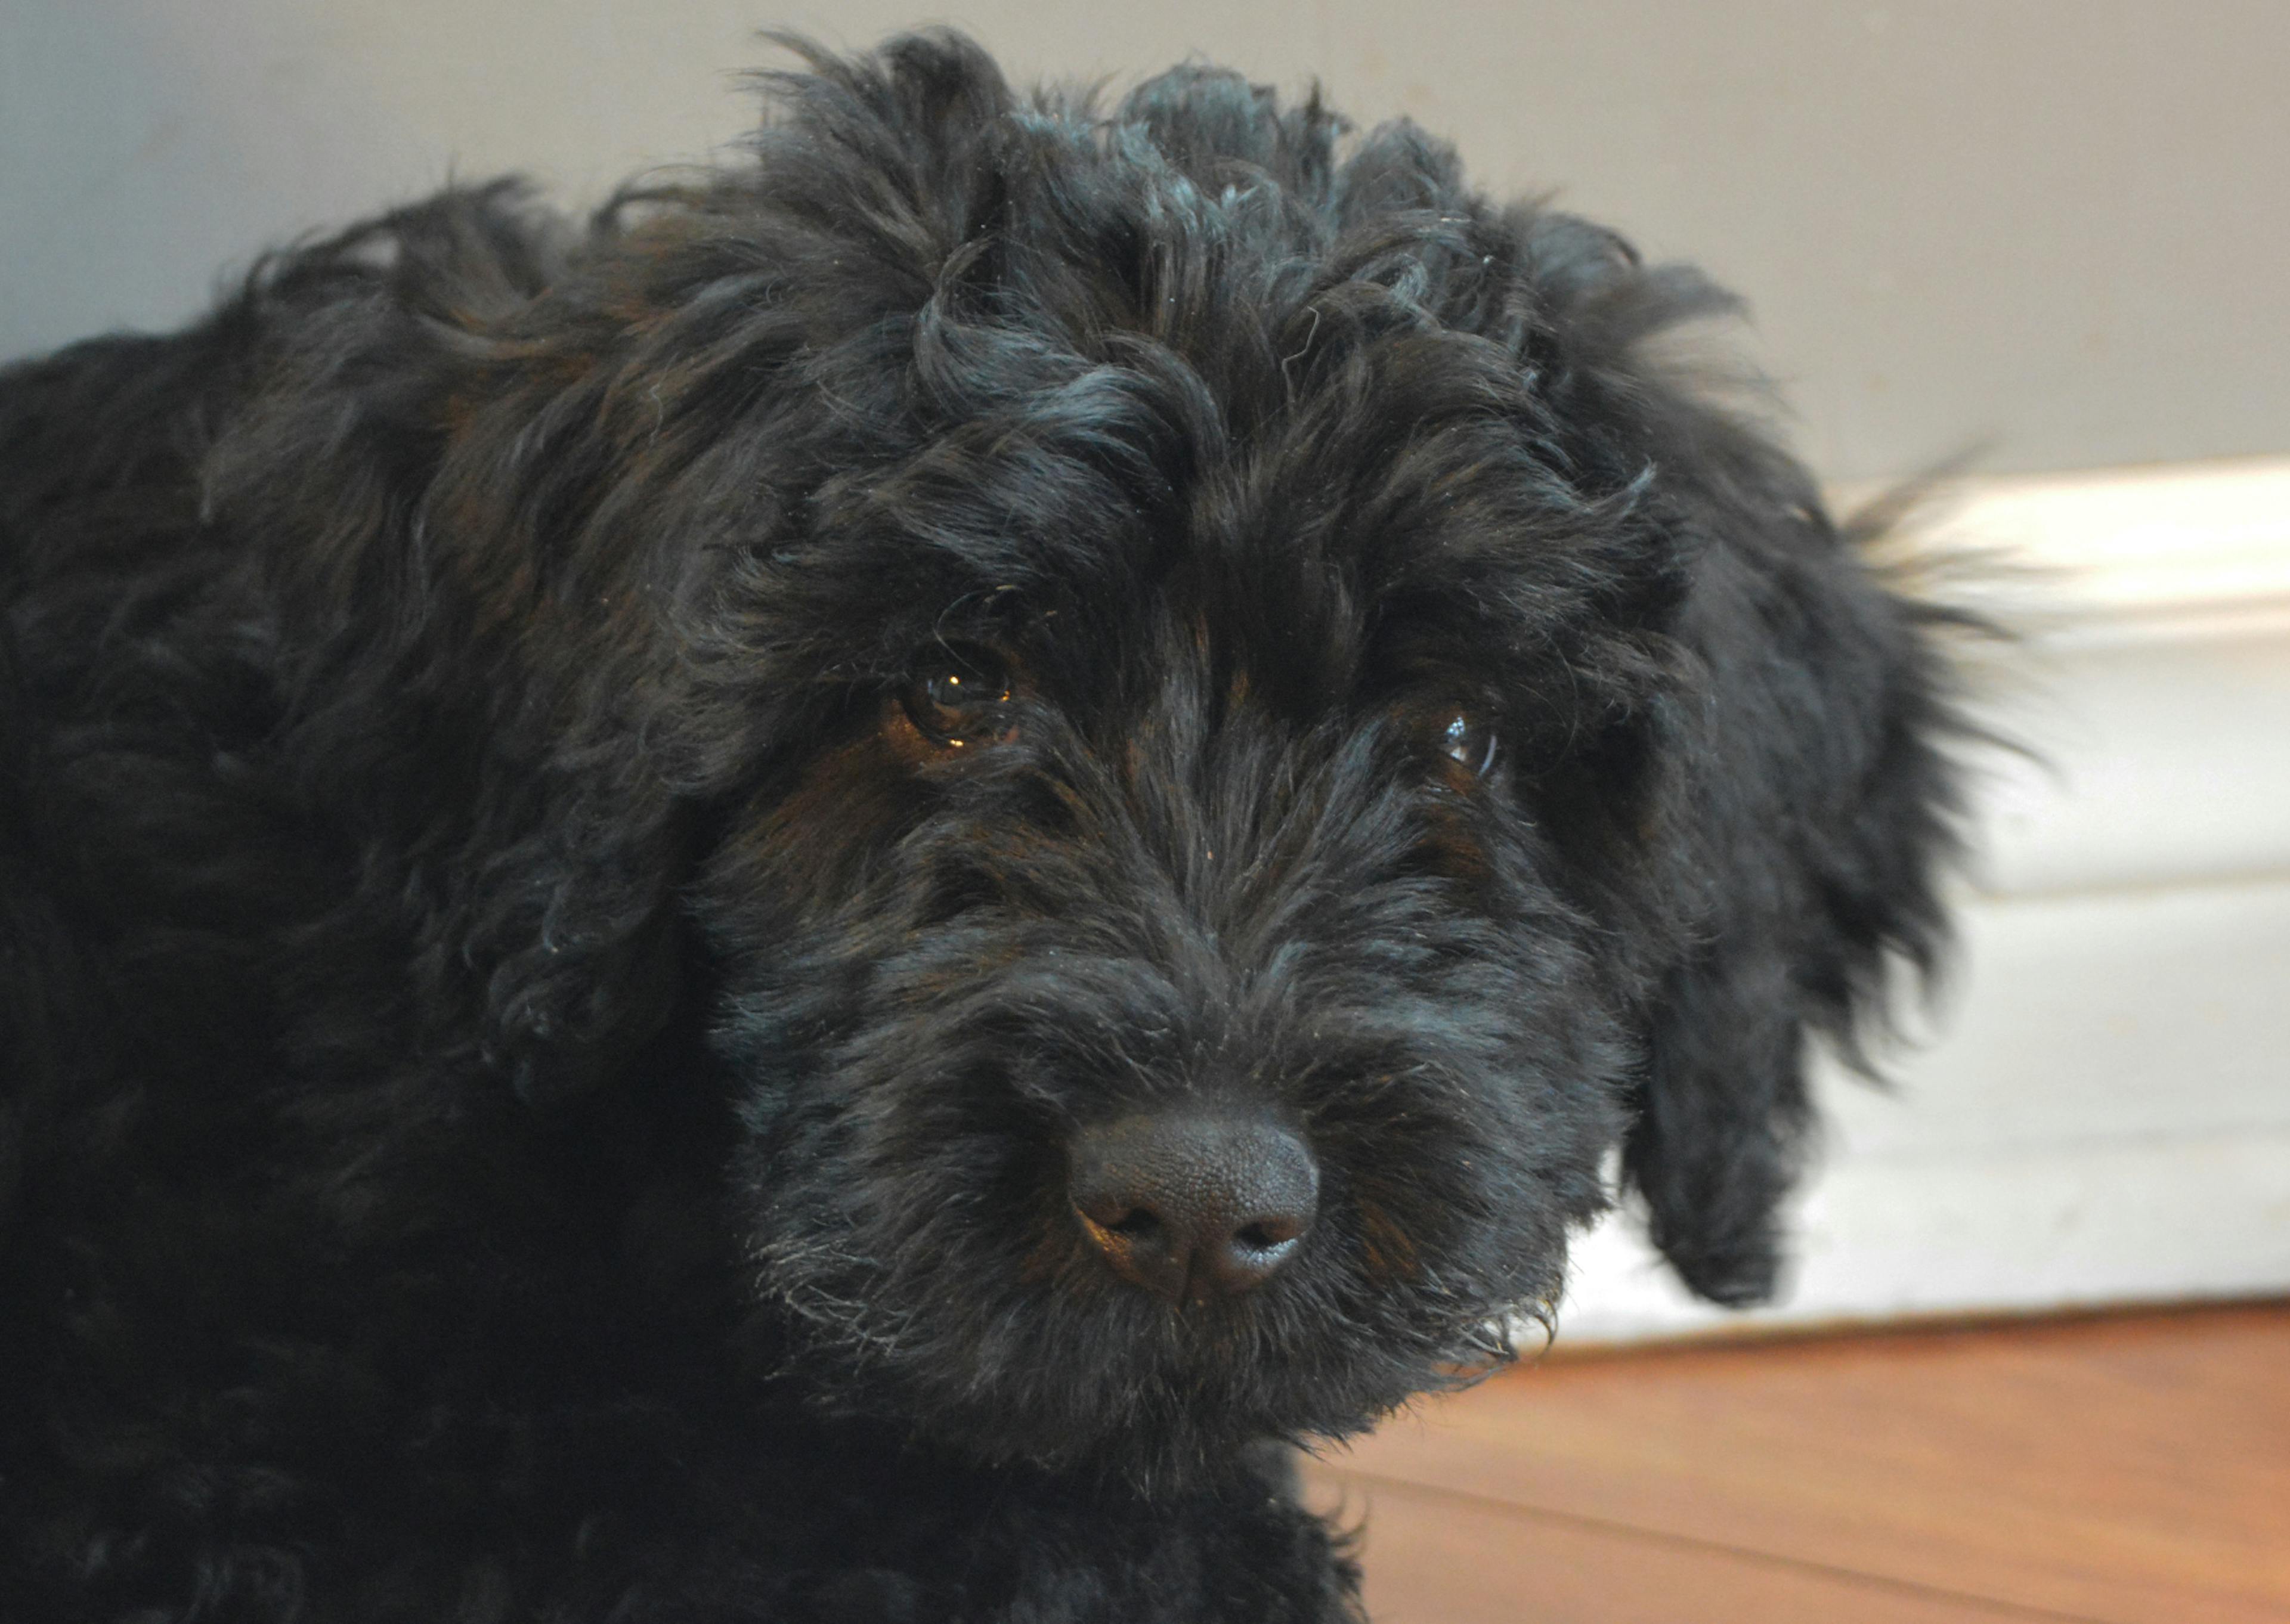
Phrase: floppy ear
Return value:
(1796, 802)
(1812, 803)
(466, 666)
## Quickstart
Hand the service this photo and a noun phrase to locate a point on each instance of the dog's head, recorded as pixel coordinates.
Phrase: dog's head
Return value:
(1246, 734)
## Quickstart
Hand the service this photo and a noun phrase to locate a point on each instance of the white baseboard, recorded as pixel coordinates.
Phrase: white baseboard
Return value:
(2105, 1116)
(2057, 1228)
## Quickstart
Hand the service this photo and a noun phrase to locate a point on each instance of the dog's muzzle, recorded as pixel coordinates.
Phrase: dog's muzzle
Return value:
(1192, 1206)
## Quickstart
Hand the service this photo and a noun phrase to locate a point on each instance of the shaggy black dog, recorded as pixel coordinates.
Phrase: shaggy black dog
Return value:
(819, 903)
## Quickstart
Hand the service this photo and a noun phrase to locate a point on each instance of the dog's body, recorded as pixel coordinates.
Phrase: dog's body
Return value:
(813, 906)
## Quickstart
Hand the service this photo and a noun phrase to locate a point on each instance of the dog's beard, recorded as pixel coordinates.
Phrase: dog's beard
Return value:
(972, 1339)
(913, 1246)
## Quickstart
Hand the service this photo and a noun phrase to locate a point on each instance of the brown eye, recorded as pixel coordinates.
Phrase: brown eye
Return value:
(1469, 743)
(960, 698)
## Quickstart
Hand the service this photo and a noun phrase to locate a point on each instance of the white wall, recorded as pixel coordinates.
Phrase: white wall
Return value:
(2051, 226)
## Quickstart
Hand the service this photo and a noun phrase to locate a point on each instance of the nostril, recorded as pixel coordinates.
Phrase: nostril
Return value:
(1135, 1223)
(1265, 1236)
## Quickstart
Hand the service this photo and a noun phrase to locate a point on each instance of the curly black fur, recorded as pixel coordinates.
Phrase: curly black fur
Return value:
(536, 1082)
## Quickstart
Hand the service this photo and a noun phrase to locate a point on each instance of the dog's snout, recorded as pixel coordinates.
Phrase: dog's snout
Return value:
(1191, 1206)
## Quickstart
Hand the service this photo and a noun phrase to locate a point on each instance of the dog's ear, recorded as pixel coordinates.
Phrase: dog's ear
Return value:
(1800, 798)
(1811, 800)
(465, 663)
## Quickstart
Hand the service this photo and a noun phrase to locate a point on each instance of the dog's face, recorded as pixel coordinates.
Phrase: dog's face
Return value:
(1232, 737)
(1168, 1010)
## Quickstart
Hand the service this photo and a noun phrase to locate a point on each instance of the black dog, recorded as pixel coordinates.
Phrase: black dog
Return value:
(818, 904)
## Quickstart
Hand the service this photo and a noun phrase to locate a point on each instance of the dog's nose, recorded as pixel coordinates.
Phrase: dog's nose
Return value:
(1193, 1206)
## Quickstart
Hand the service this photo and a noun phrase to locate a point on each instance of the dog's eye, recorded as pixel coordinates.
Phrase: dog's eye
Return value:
(960, 698)
(1468, 741)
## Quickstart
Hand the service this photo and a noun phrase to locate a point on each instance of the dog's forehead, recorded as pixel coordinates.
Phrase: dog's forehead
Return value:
(1315, 430)
(1385, 506)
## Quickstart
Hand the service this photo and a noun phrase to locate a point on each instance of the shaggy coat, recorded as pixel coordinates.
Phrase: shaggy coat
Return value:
(589, 815)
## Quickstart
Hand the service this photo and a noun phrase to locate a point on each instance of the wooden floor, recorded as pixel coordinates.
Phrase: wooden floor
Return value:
(2134, 1469)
